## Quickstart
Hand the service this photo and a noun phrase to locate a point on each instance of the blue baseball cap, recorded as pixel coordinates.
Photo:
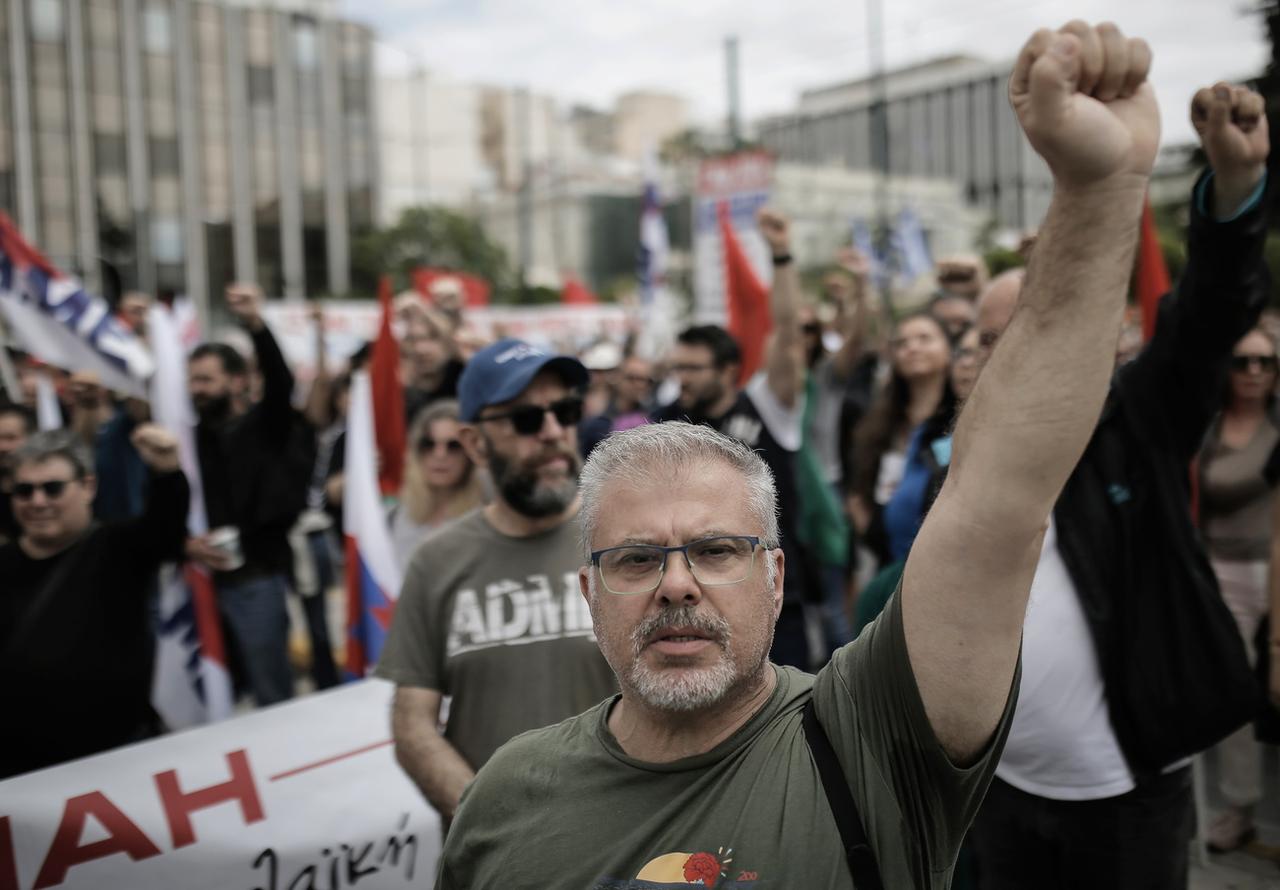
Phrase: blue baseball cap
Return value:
(500, 372)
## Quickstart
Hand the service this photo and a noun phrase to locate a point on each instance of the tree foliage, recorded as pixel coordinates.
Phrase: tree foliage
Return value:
(428, 236)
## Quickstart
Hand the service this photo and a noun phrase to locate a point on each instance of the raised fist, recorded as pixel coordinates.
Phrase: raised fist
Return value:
(244, 301)
(1082, 97)
(1232, 124)
(776, 230)
(157, 447)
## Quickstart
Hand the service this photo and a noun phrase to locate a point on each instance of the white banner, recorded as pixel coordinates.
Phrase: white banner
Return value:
(301, 796)
(349, 324)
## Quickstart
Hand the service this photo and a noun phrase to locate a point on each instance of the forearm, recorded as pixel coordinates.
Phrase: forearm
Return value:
(853, 330)
(162, 527)
(1039, 396)
(277, 379)
(786, 359)
(434, 765)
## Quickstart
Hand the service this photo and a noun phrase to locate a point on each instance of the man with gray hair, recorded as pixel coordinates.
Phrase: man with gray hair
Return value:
(75, 632)
(701, 771)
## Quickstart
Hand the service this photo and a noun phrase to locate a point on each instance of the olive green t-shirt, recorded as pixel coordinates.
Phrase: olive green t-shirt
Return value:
(499, 624)
(563, 808)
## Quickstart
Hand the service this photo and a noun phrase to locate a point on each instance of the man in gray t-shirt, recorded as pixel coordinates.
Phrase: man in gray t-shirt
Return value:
(489, 613)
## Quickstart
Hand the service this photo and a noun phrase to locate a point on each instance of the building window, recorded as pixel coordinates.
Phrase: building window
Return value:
(157, 29)
(306, 44)
(262, 85)
(163, 156)
(166, 240)
(46, 20)
(109, 152)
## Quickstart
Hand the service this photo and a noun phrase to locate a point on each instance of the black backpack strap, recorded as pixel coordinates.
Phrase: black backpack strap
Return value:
(862, 861)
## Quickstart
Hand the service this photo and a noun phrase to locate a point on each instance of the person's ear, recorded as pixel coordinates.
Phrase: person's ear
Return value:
(475, 444)
(90, 486)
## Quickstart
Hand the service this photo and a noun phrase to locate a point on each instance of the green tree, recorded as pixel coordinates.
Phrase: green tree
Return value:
(429, 236)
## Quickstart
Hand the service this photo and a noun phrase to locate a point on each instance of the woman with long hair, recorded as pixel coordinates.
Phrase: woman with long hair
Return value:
(440, 481)
(1239, 470)
(886, 443)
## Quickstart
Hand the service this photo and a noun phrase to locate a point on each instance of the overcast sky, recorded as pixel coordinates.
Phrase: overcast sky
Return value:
(593, 51)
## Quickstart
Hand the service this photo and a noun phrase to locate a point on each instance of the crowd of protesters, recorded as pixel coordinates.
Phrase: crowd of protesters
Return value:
(1143, 562)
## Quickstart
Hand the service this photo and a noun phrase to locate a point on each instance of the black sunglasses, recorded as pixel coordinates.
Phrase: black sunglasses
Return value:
(426, 443)
(1265, 362)
(25, 491)
(527, 420)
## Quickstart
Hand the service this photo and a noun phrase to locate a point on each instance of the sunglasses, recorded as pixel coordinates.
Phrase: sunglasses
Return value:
(1245, 362)
(527, 420)
(53, 489)
(426, 443)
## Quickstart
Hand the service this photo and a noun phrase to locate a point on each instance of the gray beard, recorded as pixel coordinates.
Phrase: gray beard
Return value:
(522, 492)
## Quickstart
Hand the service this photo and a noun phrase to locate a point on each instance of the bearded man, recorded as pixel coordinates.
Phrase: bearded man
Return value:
(490, 612)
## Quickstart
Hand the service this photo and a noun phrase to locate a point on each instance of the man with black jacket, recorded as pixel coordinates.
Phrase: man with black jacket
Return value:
(1130, 665)
(76, 645)
(250, 461)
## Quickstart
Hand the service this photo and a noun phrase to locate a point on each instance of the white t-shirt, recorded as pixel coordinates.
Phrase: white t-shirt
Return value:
(1061, 745)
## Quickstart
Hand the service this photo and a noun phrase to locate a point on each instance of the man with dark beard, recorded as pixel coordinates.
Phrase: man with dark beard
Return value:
(249, 459)
(489, 612)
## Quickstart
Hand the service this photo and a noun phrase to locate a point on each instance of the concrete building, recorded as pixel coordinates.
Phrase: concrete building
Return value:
(429, 142)
(186, 143)
(949, 118)
(643, 120)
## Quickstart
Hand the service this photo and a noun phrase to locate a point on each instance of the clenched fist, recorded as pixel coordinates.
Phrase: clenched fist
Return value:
(157, 447)
(1232, 124)
(244, 301)
(776, 230)
(1082, 97)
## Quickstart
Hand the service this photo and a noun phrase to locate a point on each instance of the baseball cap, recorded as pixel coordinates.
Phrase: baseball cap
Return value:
(500, 372)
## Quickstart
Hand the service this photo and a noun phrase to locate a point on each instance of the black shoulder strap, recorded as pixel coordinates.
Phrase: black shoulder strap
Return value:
(862, 861)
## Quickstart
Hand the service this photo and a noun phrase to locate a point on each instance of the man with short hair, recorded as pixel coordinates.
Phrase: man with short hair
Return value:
(629, 406)
(75, 629)
(1112, 707)
(489, 612)
(255, 463)
(700, 771)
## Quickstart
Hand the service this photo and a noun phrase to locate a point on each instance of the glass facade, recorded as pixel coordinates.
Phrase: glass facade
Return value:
(285, 57)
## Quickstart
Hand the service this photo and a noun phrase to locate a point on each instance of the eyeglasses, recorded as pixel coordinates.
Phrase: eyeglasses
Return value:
(527, 420)
(638, 379)
(639, 568)
(692, 369)
(1246, 362)
(53, 489)
(426, 443)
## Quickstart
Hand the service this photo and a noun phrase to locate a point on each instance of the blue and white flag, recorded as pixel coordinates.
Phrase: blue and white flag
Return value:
(655, 246)
(911, 247)
(56, 320)
(862, 241)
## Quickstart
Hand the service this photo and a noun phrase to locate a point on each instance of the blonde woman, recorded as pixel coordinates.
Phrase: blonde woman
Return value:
(440, 482)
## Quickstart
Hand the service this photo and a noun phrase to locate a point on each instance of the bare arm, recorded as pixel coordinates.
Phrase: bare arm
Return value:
(1084, 103)
(785, 359)
(435, 766)
(853, 327)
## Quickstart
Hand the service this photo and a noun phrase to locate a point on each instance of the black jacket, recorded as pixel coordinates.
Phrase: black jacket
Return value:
(256, 468)
(1125, 531)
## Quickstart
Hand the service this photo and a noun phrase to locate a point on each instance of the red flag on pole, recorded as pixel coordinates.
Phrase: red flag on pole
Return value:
(748, 300)
(1153, 275)
(388, 398)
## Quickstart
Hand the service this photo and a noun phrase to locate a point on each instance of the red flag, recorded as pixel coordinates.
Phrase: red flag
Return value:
(575, 293)
(475, 290)
(388, 398)
(748, 300)
(1153, 275)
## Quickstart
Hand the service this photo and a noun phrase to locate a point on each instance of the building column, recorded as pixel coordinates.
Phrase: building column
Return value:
(136, 142)
(337, 228)
(190, 161)
(24, 168)
(82, 152)
(243, 236)
(293, 267)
